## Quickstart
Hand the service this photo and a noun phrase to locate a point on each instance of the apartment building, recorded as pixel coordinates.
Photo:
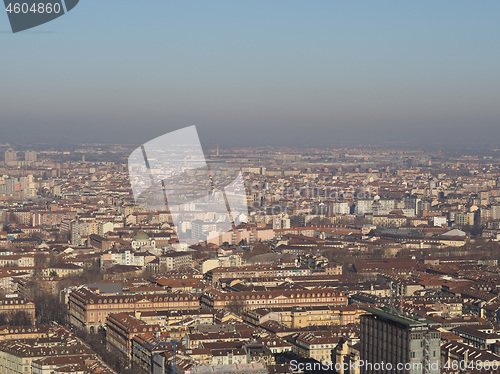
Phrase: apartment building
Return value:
(273, 298)
(12, 304)
(88, 309)
(396, 338)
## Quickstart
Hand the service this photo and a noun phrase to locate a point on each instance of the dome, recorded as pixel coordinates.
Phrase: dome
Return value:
(141, 235)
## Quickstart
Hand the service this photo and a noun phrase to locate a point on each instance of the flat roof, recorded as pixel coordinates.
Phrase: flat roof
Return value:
(400, 319)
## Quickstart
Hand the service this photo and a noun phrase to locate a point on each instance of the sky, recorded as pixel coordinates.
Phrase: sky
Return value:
(259, 72)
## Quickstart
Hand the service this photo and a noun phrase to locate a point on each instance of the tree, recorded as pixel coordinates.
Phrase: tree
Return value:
(48, 308)
(117, 361)
(20, 318)
(318, 221)
(40, 259)
(258, 249)
(236, 306)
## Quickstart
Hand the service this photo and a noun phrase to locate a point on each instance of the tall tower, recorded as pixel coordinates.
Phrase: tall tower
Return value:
(30, 156)
(10, 155)
(398, 339)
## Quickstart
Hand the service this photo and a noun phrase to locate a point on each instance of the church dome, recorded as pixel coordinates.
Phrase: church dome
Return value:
(141, 235)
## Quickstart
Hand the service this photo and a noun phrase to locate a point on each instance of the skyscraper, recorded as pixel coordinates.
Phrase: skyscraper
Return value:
(403, 343)
(10, 156)
(30, 156)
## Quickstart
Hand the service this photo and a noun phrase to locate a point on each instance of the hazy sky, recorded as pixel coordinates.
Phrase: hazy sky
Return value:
(256, 72)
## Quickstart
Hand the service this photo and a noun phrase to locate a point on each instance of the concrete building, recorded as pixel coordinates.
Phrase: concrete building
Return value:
(30, 157)
(175, 260)
(10, 157)
(364, 206)
(339, 208)
(405, 342)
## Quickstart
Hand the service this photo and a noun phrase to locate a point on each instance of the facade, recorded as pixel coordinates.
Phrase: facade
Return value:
(88, 309)
(333, 269)
(315, 345)
(175, 261)
(396, 339)
(124, 257)
(339, 208)
(256, 271)
(299, 317)
(121, 329)
(222, 261)
(99, 242)
(12, 304)
(455, 354)
(345, 355)
(63, 270)
(464, 219)
(274, 298)
(30, 157)
(24, 332)
(249, 233)
(18, 356)
(364, 206)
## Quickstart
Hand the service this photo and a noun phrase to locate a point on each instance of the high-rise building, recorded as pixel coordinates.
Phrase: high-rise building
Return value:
(364, 206)
(10, 156)
(339, 208)
(402, 343)
(30, 156)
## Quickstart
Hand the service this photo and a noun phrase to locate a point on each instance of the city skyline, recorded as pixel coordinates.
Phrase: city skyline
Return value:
(342, 250)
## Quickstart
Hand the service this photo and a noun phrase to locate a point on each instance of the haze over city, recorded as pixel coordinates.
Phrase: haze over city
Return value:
(257, 73)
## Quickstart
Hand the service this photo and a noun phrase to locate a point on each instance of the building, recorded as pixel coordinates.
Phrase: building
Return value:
(316, 345)
(121, 329)
(405, 342)
(17, 356)
(339, 208)
(89, 309)
(300, 317)
(10, 157)
(99, 242)
(464, 219)
(30, 157)
(124, 257)
(274, 298)
(364, 206)
(24, 332)
(142, 240)
(271, 271)
(333, 269)
(346, 355)
(222, 261)
(173, 260)
(12, 304)
(456, 354)
(63, 270)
